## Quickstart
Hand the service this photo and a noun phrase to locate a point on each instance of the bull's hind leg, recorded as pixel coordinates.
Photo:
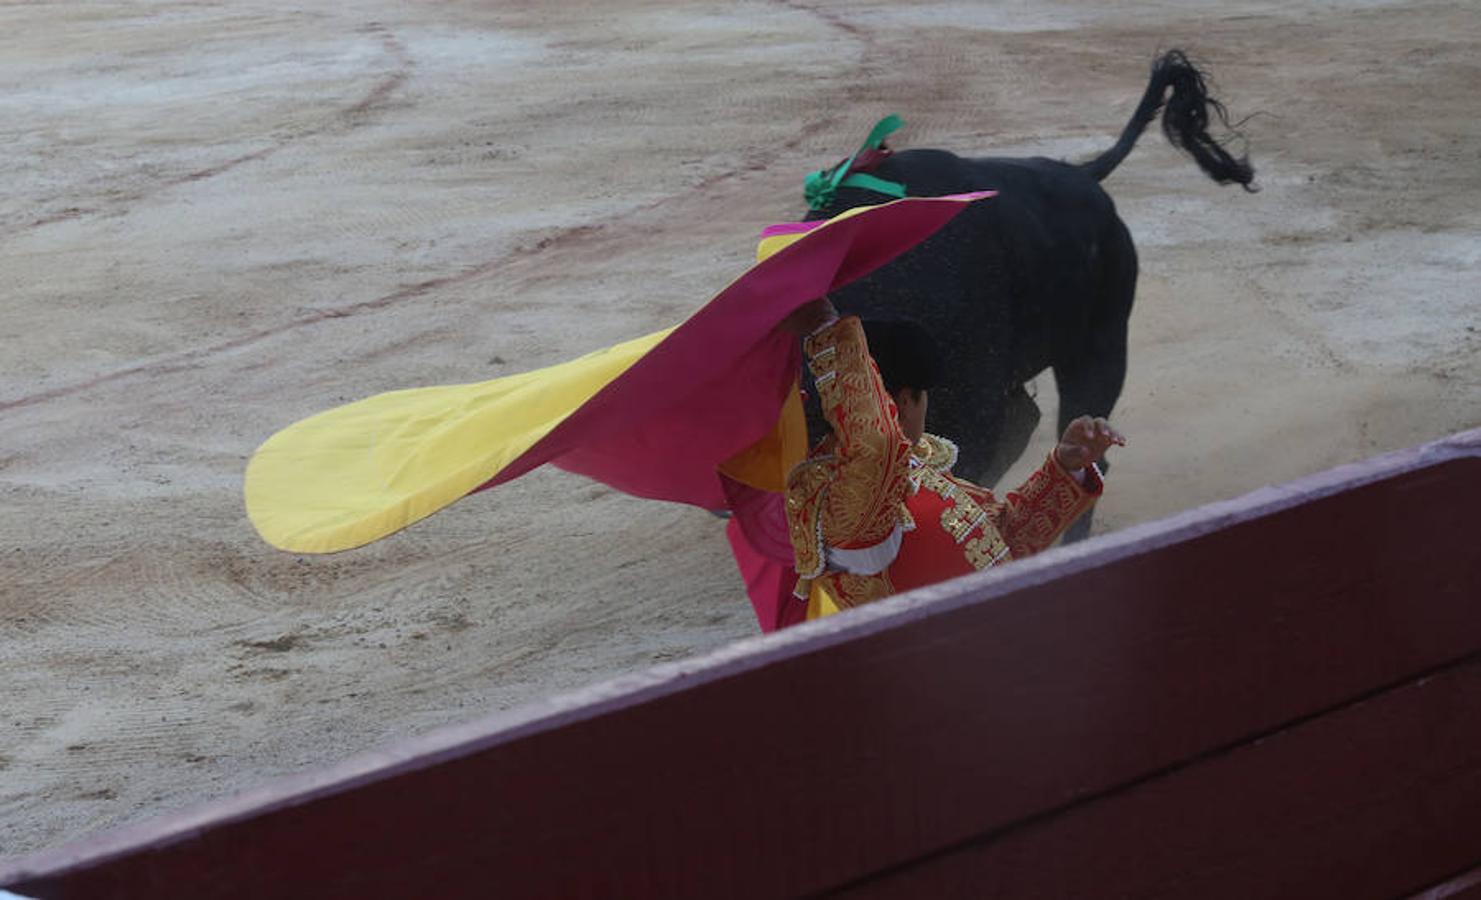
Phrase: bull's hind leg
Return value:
(1090, 390)
(1090, 382)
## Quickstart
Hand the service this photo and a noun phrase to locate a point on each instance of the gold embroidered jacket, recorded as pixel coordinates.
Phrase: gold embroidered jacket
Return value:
(866, 481)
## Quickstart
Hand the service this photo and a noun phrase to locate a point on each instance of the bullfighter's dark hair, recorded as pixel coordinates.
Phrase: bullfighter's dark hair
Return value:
(907, 355)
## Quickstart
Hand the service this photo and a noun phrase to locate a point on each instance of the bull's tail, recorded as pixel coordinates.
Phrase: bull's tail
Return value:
(1185, 122)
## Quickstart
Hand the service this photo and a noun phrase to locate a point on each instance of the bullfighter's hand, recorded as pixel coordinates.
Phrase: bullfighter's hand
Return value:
(809, 317)
(1085, 441)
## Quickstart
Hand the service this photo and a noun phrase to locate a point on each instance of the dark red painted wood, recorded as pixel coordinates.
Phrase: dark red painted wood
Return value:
(1371, 801)
(804, 760)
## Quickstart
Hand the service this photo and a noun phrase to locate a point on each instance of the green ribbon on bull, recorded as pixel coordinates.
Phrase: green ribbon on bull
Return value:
(821, 186)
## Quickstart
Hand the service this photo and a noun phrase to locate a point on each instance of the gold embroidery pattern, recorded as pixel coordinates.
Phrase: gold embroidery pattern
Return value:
(855, 494)
(971, 511)
(807, 485)
(870, 479)
(962, 517)
(935, 452)
(1040, 511)
(987, 549)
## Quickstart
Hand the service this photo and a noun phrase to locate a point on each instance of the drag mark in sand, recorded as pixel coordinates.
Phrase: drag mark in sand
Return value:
(191, 359)
(832, 20)
(349, 117)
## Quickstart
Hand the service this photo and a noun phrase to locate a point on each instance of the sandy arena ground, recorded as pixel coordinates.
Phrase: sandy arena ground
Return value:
(220, 217)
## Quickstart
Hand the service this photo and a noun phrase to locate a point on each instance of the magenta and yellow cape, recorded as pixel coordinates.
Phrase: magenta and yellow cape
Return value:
(660, 416)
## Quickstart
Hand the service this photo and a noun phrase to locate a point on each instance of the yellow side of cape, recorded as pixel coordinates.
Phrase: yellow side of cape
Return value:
(350, 475)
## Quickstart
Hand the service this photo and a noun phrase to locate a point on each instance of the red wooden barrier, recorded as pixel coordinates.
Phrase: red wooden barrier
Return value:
(1274, 696)
(1394, 778)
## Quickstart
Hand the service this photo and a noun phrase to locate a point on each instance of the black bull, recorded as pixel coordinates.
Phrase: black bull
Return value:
(1041, 276)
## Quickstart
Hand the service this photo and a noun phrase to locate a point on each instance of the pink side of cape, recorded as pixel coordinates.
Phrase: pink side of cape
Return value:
(762, 546)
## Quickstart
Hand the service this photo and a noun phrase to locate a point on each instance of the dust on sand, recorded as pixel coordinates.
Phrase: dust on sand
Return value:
(221, 218)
